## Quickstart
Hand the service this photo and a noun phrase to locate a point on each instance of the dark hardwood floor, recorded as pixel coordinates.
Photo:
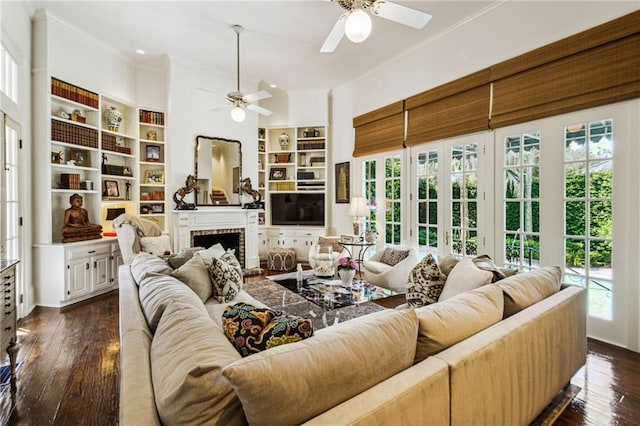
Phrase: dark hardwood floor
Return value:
(69, 373)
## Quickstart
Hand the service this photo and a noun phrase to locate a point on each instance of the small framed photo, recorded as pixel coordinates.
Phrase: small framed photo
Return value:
(153, 153)
(111, 188)
(80, 157)
(278, 173)
(154, 176)
(56, 157)
(157, 208)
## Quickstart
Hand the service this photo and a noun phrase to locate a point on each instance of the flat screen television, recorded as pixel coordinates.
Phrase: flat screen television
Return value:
(297, 209)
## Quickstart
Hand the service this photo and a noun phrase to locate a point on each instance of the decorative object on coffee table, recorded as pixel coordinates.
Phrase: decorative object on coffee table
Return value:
(347, 269)
(324, 261)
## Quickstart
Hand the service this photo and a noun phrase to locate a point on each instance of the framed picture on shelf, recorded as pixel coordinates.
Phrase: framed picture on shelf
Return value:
(56, 157)
(157, 208)
(80, 157)
(111, 188)
(342, 183)
(153, 153)
(278, 173)
(154, 176)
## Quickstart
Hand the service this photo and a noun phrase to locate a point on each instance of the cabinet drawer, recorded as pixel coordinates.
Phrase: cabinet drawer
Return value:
(82, 252)
(5, 341)
(8, 325)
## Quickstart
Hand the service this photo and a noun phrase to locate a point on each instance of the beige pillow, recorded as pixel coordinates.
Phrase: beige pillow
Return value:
(330, 242)
(145, 263)
(292, 383)
(194, 274)
(157, 291)
(464, 276)
(392, 256)
(156, 245)
(188, 353)
(447, 264)
(215, 250)
(444, 324)
(525, 289)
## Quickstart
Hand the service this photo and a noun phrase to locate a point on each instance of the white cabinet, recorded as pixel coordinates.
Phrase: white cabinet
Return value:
(263, 244)
(76, 271)
(300, 239)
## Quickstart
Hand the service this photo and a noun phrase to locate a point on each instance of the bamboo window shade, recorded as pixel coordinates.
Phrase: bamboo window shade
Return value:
(378, 131)
(456, 108)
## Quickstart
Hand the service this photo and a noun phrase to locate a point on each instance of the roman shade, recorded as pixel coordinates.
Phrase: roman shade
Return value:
(596, 67)
(380, 130)
(456, 108)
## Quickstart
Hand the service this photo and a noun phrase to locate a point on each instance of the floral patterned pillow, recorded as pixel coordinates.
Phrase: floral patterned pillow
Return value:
(392, 256)
(252, 329)
(226, 282)
(426, 282)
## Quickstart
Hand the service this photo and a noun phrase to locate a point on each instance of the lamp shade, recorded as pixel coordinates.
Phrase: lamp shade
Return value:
(358, 207)
(113, 213)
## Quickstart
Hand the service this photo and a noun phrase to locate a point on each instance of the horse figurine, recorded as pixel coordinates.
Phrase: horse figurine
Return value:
(246, 188)
(178, 196)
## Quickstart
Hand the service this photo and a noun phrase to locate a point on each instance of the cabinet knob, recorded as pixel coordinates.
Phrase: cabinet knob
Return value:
(7, 313)
(7, 284)
(95, 264)
(91, 251)
(86, 265)
(8, 291)
(7, 298)
(7, 305)
(7, 328)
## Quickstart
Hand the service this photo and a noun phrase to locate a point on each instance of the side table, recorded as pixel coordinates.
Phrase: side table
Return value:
(364, 246)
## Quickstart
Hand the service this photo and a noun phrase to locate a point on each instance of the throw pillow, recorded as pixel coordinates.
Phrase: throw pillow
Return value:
(233, 261)
(194, 274)
(215, 250)
(330, 242)
(464, 276)
(484, 262)
(392, 256)
(448, 263)
(426, 282)
(225, 280)
(523, 290)
(252, 330)
(156, 245)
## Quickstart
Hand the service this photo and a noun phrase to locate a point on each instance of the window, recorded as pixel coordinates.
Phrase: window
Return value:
(11, 248)
(369, 181)
(588, 211)
(393, 199)
(522, 200)
(427, 199)
(464, 199)
(8, 74)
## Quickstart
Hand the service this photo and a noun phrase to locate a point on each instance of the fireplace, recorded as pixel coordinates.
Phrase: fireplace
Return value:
(231, 227)
(228, 238)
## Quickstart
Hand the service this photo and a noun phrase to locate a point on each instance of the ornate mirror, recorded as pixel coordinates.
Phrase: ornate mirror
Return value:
(218, 167)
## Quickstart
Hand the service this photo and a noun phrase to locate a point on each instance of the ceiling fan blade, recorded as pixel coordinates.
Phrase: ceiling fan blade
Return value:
(335, 36)
(259, 110)
(253, 97)
(221, 107)
(401, 14)
(209, 91)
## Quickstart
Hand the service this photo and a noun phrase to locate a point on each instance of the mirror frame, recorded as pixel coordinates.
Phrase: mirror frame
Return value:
(238, 195)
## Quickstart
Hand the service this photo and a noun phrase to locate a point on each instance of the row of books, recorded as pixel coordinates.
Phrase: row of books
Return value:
(109, 144)
(70, 133)
(152, 117)
(74, 93)
(152, 195)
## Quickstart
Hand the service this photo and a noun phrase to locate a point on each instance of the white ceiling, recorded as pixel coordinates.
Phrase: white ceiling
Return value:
(280, 44)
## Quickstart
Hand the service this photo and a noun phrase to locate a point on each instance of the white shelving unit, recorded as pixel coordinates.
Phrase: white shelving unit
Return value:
(152, 166)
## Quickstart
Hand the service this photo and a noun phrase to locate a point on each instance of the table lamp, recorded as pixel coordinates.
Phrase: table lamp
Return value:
(359, 210)
(112, 214)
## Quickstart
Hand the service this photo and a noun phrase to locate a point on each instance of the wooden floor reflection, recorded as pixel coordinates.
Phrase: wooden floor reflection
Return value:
(69, 373)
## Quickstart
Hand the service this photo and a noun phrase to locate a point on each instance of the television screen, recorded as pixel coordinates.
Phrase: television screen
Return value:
(297, 209)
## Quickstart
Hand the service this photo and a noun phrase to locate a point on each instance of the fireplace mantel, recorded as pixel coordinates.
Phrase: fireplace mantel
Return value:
(185, 221)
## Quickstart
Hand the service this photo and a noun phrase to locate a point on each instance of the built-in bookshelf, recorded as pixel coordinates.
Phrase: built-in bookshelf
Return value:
(152, 166)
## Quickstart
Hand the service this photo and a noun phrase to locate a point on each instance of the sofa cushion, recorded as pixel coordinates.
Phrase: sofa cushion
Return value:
(523, 290)
(444, 324)
(156, 245)
(392, 256)
(308, 377)
(195, 274)
(426, 282)
(225, 280)
(188, 353)
(157, 291)
(464, 276)
(251, 329)
(145, 263)
(376, 267)
(215, 250)
(485, 263)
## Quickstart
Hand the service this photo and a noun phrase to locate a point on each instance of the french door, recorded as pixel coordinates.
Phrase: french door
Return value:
(449, 180)
(567, 194)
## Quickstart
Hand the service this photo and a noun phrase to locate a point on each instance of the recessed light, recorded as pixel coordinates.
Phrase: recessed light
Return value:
(273, 86)
(140, 52)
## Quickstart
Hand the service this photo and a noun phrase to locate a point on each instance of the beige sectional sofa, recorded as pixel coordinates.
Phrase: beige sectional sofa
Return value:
(455, 362)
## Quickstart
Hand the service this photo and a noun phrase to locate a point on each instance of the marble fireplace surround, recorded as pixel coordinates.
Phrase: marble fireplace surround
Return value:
(214, 220)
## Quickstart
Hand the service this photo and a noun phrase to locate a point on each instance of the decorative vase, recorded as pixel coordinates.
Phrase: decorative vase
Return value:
(346, 275)
(284, 140)
(113, 118)
(371, 236)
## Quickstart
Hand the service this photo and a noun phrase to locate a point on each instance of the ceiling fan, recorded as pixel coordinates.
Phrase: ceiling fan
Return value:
(356, 23)
(239, 102)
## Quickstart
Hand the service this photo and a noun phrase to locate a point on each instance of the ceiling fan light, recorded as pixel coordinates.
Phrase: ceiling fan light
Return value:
(358, 26)
(237, 114)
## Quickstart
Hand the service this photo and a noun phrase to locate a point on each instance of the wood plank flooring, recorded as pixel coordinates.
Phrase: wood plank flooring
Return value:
(69, 373)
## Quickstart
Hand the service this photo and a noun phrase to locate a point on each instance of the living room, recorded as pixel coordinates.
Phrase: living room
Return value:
(81, 59)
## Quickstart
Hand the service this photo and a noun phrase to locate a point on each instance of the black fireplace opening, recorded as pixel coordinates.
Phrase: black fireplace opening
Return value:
(228, 240)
